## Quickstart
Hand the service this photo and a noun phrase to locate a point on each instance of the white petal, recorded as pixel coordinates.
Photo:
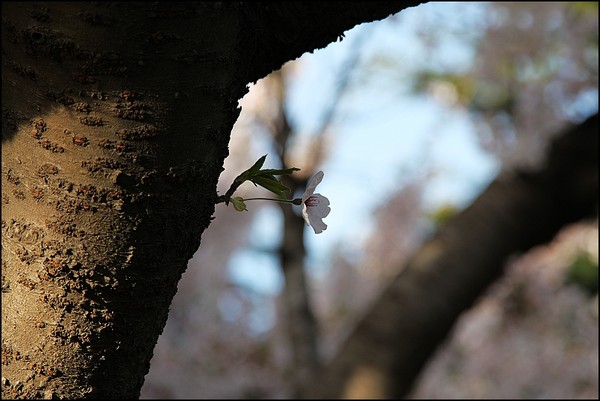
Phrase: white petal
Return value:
(305, 214)
(322, 208)
(313, 215)
(312, 185)
(318, 225)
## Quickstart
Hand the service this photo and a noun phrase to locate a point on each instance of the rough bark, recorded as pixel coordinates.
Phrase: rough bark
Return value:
(115, 124)
(391, 344)
(109, 181)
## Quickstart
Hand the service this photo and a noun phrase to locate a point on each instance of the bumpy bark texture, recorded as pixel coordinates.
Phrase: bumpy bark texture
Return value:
(392, 343)
(115, 124)
(108, 182)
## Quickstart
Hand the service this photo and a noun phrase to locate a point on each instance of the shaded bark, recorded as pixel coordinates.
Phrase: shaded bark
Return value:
(116, 119)
(276, 32)
(391, 344)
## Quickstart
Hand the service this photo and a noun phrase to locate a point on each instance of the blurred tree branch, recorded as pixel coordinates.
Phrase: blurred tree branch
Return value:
(392, 343)
(299, 318)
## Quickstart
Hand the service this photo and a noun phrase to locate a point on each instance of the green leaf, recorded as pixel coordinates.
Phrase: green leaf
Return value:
(259, 163)
(246, 175)
(286, 171)
(264, 178)
(270, 183)
(583, 272)
(238, 204)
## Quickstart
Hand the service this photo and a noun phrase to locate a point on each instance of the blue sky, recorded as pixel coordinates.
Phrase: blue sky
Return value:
(386, 135)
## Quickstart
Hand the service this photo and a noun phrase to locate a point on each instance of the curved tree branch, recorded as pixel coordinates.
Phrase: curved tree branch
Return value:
(390, 346)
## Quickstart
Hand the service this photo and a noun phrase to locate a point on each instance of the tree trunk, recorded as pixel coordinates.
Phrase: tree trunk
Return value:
(389, 347)
(115, 124)
(299, 320)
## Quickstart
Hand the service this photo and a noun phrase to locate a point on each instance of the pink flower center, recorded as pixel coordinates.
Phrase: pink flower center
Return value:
(312, 201)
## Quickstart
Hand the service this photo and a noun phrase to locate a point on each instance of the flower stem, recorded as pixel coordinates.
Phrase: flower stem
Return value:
(271, 199)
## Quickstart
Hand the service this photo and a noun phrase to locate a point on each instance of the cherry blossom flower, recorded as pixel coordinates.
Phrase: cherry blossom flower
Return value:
(315, 206)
